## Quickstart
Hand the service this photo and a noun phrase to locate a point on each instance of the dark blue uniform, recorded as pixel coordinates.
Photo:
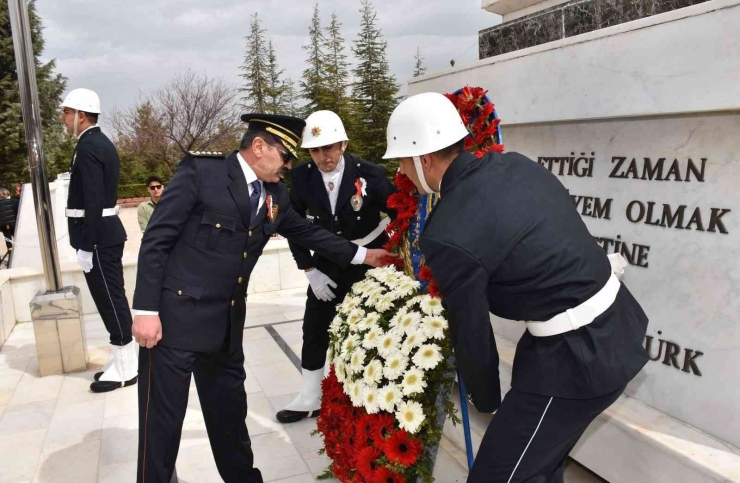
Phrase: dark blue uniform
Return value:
(506, 239)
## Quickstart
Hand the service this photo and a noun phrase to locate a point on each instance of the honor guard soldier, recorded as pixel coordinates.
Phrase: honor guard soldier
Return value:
(505, 238)
(96, 232)
(199, 249)
(346, 195)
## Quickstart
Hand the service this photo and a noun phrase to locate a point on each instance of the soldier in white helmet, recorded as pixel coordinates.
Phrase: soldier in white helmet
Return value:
(97, 233)
(345, 195)
(506, 239)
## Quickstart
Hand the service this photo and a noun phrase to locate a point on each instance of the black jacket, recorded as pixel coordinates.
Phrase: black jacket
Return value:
(308, 194)
(199, 251)
(93, 185)
(8, 213)
(506, 238)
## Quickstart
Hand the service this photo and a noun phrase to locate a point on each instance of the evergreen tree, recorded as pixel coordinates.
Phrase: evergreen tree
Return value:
(254, 68)
(313, 84)
(276, 95)
(374, 91)
(290, 96)
(419, 68)
(336, 71)
(13, 152)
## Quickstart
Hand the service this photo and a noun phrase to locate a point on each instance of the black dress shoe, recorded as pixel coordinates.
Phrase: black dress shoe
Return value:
(98, 375)
(107, 386)
(287, 416)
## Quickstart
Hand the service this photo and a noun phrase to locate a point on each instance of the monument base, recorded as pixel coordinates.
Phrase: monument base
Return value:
(60, 338)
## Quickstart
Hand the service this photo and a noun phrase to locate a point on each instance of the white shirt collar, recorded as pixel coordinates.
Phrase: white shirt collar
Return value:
(86, 129)
(339, 169)
(248, 173)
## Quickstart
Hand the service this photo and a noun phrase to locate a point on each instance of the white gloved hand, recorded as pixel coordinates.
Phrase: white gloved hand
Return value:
(85, 260)
(320, 284)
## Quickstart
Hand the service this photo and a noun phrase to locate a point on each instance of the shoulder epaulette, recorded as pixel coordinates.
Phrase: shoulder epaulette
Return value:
(207, 154)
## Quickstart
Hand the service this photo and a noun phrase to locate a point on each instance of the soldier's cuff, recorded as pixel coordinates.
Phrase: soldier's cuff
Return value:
(144, 312)
(360, 256)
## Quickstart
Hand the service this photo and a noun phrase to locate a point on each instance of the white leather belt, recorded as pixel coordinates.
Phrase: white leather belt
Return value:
(584, 314)
(373, 234)
(73, 213)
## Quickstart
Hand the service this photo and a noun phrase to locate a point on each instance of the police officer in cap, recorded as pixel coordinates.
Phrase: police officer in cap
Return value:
(506, 239)
(199, 250)
(96, 232)
(346, 195)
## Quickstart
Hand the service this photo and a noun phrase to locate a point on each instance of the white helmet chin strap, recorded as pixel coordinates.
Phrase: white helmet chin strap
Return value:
(420, 175)
(76, 119)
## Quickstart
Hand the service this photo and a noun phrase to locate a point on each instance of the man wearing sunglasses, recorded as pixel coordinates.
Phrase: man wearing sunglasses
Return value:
(155, 187)
(197, 255)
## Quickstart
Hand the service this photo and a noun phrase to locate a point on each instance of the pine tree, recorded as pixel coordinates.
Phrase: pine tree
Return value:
(13, 152)
(276, 91)
(313, 84)
(374, 90)
(290, 96)
(336, 70)
(419, 68)
(254, 68)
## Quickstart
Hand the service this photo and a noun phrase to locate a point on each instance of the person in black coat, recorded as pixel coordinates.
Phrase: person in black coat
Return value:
(8, 215)
(198, 252)
(345, 195)
(505, 238)
(96, 232)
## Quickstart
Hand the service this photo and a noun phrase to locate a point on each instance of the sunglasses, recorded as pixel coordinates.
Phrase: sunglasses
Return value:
(285, 155)
(155, 187)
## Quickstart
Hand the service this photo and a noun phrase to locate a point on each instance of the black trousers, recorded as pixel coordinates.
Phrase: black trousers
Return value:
(530, 437)
(318, 315)
(105, 282)
(7, 230)
(164, 382)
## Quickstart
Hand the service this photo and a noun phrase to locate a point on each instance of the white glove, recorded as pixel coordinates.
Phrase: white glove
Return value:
(320, 284)
(85, 260)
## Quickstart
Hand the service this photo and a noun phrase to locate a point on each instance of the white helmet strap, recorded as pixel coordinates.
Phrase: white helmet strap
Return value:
(420, 175)
(77, 117)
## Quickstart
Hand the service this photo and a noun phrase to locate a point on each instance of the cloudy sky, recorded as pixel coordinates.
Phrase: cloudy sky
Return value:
(123, 48)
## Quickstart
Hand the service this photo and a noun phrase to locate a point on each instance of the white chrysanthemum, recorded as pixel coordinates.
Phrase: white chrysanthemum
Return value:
(389, 344)
(371, 339)
(413, 381)
(349, 345)
(385, 302)
(357, 360)
(410, 415)
(428, 356)
(389, 396)
(413, 340)
(335, 325)
(431, 305)
(397, 316)
(373, 373)
(374, 296)
(414, 301)
(359, 288)
(340, 371)
(369, 321)
(408, 287)
(409, 322)
(395, 366)
(349, 304)
(370, 399)
(434, 327)
(330, 353)
(354, 318)
(356, 393)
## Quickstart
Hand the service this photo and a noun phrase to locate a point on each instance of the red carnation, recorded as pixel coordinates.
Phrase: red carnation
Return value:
(366, 462)
(385, 475)
(401, 448)
(383, 426)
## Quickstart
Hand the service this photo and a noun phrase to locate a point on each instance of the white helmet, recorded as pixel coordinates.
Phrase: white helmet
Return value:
(423, 124)
(322, 129)
(82, 100)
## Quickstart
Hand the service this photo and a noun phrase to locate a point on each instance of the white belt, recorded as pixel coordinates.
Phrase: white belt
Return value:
(373, 234)
(73, 213)
(584, 314)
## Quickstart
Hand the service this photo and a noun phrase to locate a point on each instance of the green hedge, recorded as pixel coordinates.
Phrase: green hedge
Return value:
(132, 191)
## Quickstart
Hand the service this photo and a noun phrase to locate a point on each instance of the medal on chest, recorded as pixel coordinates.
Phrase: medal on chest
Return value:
(331, 185)
(360, 191)
(272, 209)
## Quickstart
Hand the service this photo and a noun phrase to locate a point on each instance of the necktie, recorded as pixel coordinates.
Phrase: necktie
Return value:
(254, 198)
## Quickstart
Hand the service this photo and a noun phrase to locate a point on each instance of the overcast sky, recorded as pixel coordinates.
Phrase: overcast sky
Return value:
(120, 48)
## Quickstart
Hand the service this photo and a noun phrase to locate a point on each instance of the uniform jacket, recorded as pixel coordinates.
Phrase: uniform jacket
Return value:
(199, 250)
(506, 238)
(93, 185)
(309, 199)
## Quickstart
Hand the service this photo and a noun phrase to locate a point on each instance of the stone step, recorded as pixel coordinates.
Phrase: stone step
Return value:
(630, 442)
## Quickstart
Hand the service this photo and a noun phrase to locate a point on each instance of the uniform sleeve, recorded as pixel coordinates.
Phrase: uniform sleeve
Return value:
(162, 232)
(301, 255)
(383, 189)
(463, 282)
(92, 174)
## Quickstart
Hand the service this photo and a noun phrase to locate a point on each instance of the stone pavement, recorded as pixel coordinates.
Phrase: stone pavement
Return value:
(54, 430)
